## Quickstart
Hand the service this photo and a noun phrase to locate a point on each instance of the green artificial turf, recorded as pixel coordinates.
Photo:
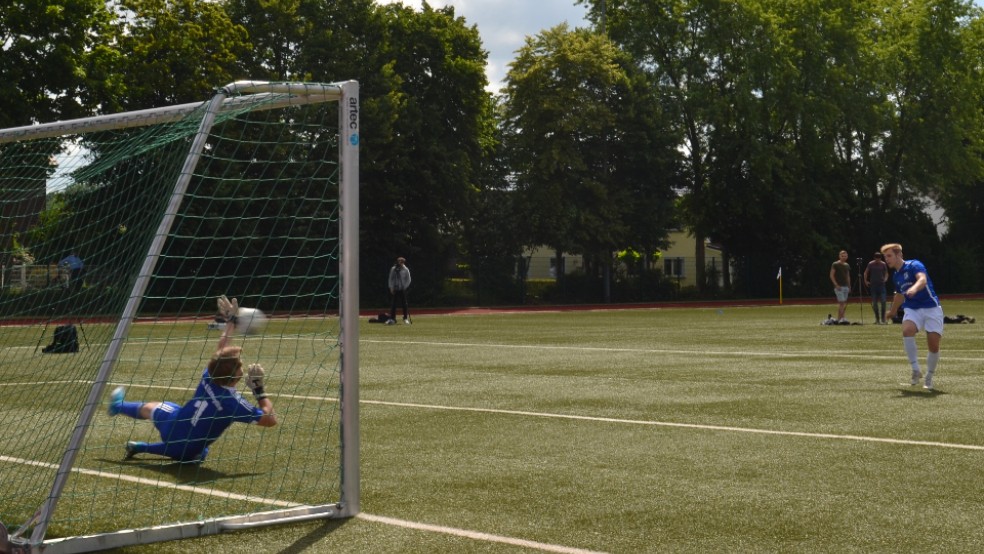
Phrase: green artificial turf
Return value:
(651, 430)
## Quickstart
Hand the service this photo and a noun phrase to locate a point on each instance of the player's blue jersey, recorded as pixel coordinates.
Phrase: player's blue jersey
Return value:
(905, 277)
(203, 419)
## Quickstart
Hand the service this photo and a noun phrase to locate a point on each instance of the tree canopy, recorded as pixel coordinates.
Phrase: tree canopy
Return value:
(781, 130)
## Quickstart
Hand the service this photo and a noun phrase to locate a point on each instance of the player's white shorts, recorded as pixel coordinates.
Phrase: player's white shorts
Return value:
(926, 319)
(843, 293)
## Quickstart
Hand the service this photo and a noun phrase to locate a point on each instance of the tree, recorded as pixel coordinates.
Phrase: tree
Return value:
(674, 41)
(54, 59)
(423, 176)
(177, 51)
(809, 126)
(424, 107)
(491, 237)
(587, 148)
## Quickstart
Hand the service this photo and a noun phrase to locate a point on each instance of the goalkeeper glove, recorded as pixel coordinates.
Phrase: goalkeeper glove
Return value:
(254, 380)
(228, 308)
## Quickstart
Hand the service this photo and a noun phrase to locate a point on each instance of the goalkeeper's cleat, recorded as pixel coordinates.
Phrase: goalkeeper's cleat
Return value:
(133, 448)
(916, 375)
(116, 401)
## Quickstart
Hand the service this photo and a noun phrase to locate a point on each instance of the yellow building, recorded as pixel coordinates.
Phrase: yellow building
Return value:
(678, 260)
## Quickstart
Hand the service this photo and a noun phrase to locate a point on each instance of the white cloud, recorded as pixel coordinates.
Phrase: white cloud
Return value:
(505, 24)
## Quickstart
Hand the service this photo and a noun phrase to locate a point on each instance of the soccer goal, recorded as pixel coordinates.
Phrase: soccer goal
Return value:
(117, 235)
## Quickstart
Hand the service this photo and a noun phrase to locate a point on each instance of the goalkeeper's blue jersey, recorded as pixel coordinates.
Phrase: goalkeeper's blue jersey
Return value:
(205, 417)
(905, 277)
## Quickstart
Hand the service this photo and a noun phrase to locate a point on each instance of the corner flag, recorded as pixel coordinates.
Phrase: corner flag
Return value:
(779, 278)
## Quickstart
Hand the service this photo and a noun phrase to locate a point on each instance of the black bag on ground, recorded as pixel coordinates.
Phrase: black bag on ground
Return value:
(66, 340)
(383, 317)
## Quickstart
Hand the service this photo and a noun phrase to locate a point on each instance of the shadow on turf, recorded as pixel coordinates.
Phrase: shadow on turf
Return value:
(308, 541)
(919, 392)
(184, 474)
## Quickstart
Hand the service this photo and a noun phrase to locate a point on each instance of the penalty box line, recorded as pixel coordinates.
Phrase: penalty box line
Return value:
(697, 426)
(716, 353)
(598, 419)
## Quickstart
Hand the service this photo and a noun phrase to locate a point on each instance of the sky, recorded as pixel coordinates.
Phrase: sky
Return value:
(505, 24)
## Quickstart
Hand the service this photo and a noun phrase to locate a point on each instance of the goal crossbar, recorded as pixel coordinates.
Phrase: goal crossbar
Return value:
(269, 95)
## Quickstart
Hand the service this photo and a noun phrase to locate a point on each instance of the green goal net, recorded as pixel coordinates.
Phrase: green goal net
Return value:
(117, 235)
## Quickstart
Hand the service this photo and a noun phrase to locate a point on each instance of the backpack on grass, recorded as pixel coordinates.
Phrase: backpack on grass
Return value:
(66, 340)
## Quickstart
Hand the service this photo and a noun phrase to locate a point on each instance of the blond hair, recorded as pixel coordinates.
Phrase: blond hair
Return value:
(224, 365)
(895, 247)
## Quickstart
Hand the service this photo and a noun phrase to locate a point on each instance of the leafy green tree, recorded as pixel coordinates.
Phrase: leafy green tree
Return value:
(584, 141)
(177, 51)
(810, 126)
(54, 64)
(491, 236)
(675, 42)
(53, 58)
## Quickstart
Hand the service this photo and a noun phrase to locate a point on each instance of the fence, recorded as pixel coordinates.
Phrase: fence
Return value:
(33, 276)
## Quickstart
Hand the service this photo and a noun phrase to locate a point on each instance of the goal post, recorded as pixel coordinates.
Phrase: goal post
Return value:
(253, 194)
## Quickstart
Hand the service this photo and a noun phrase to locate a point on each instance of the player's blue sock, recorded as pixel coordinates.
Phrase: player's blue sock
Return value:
(158, 448)
(131, 409)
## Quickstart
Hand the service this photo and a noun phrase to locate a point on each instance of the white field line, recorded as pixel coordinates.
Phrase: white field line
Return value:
(701, 427)
(597, 419)
(609, 349)
(475, 535)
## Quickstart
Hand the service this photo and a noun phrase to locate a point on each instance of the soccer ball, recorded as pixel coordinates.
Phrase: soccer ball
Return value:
(250, 321)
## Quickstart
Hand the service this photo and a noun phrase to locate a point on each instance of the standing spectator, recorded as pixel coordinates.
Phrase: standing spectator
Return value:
(73, 264)
(914, 291)
(875, 277)
(840, 276)
(399, 282)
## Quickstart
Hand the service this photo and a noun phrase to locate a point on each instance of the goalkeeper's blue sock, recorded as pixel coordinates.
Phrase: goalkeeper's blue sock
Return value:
(131, 409)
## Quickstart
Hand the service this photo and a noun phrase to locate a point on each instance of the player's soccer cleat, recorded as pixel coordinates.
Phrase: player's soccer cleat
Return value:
(916, 375)
(406, 321)
(116, 401)
(928, 383)
(133, 448)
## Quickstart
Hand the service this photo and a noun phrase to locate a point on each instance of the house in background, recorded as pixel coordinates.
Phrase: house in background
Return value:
(678, 261)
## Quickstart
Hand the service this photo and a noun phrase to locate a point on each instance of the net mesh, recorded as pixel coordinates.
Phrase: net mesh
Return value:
(259, 222)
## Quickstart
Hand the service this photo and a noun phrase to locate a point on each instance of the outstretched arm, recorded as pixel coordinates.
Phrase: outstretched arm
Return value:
(269, 418)
(229, 310)
(255, 380)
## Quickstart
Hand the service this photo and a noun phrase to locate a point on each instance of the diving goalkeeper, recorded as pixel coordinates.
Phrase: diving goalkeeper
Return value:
(187, 431)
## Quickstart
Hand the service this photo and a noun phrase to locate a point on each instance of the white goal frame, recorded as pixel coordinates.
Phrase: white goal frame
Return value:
(229, 97)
